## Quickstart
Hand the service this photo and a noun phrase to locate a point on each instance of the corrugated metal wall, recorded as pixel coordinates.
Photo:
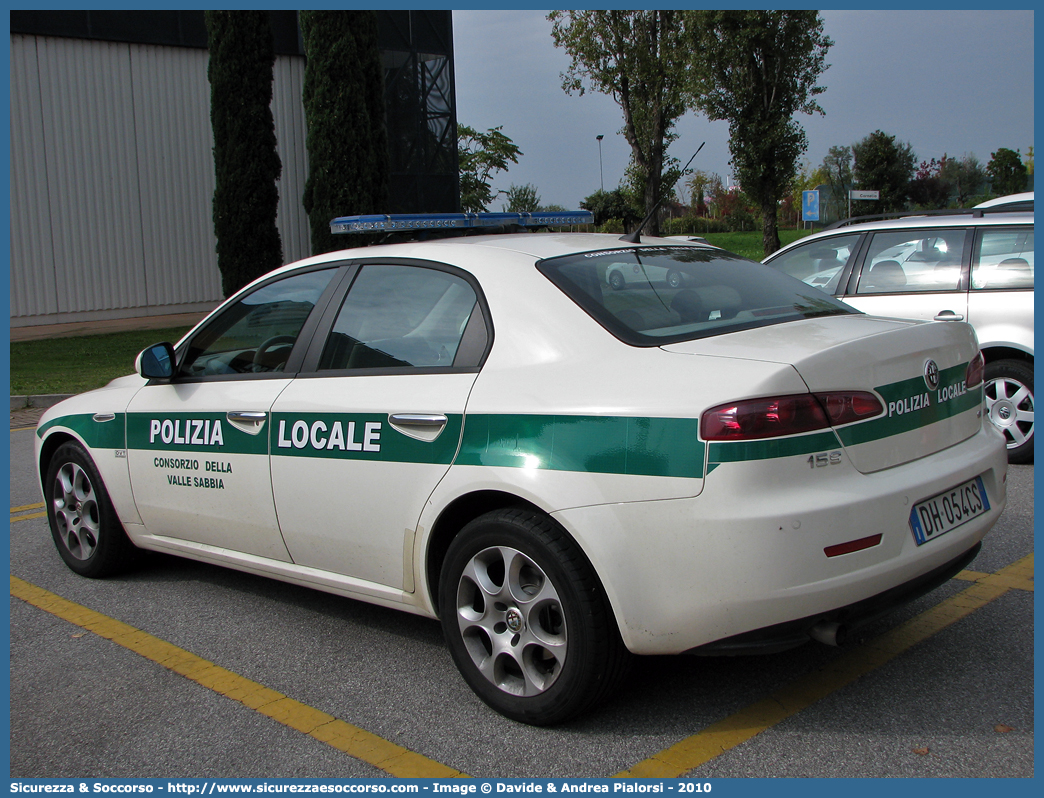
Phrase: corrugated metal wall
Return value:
(112, 179)
(291, 130)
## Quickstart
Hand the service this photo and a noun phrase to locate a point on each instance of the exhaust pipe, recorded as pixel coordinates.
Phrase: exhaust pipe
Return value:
(829, 633)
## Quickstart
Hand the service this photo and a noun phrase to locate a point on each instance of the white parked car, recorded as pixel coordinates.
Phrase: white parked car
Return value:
(479, 429)
(975, 266)
(1011, 202)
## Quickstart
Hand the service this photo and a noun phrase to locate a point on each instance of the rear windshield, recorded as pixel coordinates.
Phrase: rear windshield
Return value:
(651, 296)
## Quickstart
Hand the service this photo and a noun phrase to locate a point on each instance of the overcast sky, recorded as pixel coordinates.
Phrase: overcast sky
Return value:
(951, 82)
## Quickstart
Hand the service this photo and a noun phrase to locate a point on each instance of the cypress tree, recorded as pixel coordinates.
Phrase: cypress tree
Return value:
(345, 111)
(246, 163)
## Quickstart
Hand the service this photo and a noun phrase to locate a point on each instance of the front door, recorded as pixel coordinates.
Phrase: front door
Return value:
(198, 446)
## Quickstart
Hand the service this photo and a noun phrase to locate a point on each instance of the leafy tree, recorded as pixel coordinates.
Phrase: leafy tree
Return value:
(615, 204)
(837, 165)
(760, 68)
(884, 165)
(964, 177)
(246, 164)
(480, 155)
(699, 182)
(930, 189)
(736, 210)
(344, 108)
(522, 199)
(1008, 172)
(642, 60)
(714, 192)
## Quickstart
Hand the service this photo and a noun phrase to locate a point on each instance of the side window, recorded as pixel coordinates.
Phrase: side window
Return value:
(913, 261)
(819, 263)
(1003, 259)
(398, 316)
(256, 334)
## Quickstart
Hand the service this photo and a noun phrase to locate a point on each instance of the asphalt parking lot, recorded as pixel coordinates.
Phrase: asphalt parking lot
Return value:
(186, 670)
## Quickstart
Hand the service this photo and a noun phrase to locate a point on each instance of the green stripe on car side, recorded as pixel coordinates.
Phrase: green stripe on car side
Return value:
(658, 447)
(96, 434)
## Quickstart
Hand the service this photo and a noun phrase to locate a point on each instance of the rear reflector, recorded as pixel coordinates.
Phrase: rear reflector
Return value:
(852, 545)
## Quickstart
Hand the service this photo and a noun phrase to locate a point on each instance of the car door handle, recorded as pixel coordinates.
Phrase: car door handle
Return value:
(246, 417)
(949, 315)
(428, 420)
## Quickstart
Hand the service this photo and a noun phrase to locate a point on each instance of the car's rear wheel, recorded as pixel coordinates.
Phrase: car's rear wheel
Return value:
(674, 278)
(526, 619)
(1009, 401)
(86, 530)
(616, 281)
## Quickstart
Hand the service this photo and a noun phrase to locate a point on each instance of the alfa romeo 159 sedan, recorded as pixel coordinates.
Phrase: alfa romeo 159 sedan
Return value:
(481, 429)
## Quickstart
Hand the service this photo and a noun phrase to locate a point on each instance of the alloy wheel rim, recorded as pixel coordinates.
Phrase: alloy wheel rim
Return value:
(511, 621)
(76, 511)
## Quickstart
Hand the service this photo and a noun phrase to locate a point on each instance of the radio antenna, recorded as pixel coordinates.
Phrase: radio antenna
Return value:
(633, 238)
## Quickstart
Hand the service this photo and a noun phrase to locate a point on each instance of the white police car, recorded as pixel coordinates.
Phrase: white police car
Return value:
(481, 429)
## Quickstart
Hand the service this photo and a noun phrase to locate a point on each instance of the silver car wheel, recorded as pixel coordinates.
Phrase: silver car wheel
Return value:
(1010, 407)
(511, 621)
(76, 512)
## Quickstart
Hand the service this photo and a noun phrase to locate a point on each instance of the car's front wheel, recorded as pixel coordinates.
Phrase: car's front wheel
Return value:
(1009, 401)
(616, 281)
(86, 530)
(526, 619)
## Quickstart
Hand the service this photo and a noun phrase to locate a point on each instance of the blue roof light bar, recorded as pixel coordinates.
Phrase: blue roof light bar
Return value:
(397, 222)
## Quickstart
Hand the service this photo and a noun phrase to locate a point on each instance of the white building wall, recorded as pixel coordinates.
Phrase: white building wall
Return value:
(112, 179)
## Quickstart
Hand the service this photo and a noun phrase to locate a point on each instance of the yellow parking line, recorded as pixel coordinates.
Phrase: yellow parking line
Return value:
(389, 757)
(730, 732)
(27, 517)
(24, 507)
(16, 510)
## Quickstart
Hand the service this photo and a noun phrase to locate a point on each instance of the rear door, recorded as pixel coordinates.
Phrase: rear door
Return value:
(363, 436)
(1000, 305)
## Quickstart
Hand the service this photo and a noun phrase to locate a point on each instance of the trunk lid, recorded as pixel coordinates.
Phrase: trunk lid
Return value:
(926, 408)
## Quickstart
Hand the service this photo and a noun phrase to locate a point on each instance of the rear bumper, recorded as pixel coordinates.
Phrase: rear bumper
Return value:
(748, 554)
(847, 620)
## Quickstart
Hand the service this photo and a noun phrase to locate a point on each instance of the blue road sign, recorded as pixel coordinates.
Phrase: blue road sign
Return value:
(810, 206)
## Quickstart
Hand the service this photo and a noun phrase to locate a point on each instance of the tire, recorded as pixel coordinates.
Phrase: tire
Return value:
(1009, 402)
(526, 619)
(674, 279)
(86, 530)
(616, 281)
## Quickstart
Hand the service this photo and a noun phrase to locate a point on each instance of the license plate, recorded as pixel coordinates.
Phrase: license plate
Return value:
(940, 514)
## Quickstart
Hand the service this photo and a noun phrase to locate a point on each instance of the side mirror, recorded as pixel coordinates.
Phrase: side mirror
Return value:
(156, 362)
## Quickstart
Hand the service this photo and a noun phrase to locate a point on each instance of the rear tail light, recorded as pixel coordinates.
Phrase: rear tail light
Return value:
(753, 419)
(976, 369)
(844, 408)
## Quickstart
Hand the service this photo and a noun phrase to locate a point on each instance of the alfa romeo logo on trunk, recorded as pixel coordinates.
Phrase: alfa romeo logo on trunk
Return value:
(931, 374)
